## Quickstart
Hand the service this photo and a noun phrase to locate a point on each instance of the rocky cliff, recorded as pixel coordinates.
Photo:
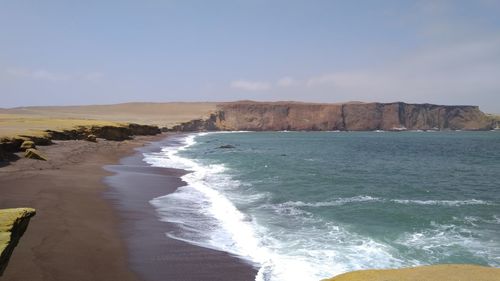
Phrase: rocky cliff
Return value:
(260, 116)
(13, 223)
(441, 272)
(9, 146)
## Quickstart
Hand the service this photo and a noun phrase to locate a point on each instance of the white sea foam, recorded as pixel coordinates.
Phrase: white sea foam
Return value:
(496, 219)
(204, 211)
(368, 199)
(207, 217)
(336, 202)
(442, 240)
(443, 202)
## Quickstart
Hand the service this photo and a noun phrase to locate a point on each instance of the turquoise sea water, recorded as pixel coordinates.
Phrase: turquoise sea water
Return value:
(310, 205)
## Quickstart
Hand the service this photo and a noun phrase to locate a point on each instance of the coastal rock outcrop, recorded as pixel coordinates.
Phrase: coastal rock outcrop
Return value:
(91, 138)
(143, 130)
(443, 272)
(197, 125)
(114, 133)
(78, 133)
(293, 116)
(8, 146)
(38, 140)
(32, 153)
(13, 224)
(496, 122)
(11, 145)
(27, 145)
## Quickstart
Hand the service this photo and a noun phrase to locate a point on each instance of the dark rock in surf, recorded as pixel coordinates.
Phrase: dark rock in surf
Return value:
(227, 146)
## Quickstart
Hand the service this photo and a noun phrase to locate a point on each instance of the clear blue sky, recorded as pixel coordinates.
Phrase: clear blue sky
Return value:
(93, 52)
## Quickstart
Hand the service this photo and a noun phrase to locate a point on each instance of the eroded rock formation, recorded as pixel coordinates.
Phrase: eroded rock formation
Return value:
(440, 272)
(32, 153)
(9, 146)
(143, 130)
(13, 224)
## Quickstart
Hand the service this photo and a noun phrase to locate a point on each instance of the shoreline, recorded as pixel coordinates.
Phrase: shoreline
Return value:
(94, 220)
(75, 235)
(153, 255)
(83, 230)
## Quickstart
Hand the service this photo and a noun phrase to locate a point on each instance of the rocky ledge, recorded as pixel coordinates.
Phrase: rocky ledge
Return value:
(293, 116)
(9, 146)
(13, 224)
(115, 133)
(442, 272)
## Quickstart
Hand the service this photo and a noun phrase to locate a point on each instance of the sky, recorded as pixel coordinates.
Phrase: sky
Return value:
(72, 52)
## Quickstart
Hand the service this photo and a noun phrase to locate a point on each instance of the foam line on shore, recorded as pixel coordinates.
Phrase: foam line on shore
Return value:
(207, 217)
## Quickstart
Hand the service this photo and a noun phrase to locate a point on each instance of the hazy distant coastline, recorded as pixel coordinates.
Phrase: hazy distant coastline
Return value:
(252, 116)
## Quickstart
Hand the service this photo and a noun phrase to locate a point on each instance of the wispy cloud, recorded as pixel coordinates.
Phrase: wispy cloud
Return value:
(247, 85)
(457, 72)
(449, 71)
(286, 82)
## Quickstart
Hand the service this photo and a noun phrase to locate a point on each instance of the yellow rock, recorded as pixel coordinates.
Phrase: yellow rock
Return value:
(91, 138)
(13, 223)
(34, 154)
(27, 144)
(442, 272)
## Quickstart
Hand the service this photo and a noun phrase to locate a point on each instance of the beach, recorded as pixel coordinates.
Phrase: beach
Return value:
(85, 230)
(211, 206)
(154, 255)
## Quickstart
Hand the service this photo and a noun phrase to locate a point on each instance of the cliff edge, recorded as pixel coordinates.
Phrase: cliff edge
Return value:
(442, 272)
(294, 116)
(255, 116)
(13, 223)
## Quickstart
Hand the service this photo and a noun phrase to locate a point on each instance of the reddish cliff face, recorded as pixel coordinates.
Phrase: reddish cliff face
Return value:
(279, 116)
(261, 116)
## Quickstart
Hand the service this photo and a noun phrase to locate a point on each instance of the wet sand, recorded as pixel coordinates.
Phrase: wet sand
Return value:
(153, 255)
(74, 235)
(78, 234)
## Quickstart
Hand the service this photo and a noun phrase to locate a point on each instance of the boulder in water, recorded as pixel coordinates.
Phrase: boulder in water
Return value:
(226, 146)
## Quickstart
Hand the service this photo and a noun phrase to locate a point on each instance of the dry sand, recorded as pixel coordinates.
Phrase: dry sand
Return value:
(75, 233)
(78, 235)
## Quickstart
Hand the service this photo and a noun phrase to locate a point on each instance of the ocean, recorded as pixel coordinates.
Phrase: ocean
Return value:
(311, 205)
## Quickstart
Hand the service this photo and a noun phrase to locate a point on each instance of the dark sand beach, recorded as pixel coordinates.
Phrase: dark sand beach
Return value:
(152, 254)
(78, 234)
